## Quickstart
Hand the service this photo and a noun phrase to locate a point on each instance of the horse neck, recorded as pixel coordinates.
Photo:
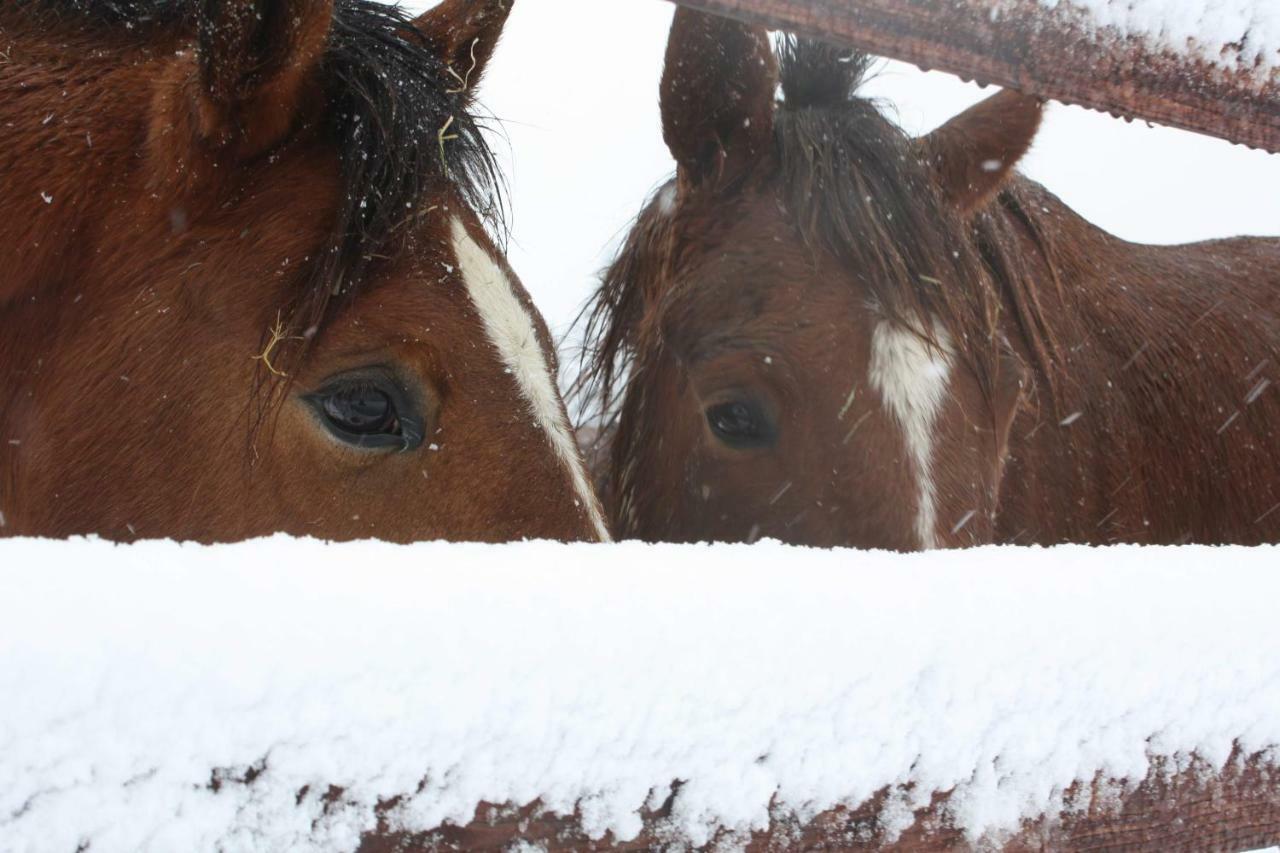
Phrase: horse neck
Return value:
(1150, 344)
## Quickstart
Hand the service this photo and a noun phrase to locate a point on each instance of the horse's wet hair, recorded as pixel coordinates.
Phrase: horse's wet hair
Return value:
(856, 186)
(402, 125)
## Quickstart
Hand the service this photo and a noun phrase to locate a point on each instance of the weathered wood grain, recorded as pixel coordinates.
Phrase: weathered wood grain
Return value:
(1053, 54)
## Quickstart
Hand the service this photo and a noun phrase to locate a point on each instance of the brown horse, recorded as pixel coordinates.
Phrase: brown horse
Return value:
(247, 283)
(829, 333)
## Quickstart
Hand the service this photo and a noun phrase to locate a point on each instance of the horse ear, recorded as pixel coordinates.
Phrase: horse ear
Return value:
(974, 153)
(256, 60)
(463, 34)
(717, 95)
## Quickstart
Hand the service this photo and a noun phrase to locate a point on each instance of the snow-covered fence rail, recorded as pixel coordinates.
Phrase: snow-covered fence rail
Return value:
(1196, 808)
(1212, 66)
(286, 695)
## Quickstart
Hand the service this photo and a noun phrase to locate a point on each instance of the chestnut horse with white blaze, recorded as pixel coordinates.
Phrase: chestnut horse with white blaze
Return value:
(830, 333)
(247, 282)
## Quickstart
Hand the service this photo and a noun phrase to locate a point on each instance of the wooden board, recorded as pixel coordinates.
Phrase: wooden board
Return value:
(1192, 808)
(1055, 54)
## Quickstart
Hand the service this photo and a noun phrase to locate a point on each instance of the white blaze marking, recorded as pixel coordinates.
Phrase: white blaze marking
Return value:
(512, 332)
(911, 378)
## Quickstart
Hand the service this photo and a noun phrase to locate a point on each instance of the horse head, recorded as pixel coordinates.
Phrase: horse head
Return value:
(251, 281)
(799, 337)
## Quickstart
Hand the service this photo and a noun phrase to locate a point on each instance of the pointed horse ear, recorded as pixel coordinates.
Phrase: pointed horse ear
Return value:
(257, 64)
(463, 33)
(973, 154)
(717, 96)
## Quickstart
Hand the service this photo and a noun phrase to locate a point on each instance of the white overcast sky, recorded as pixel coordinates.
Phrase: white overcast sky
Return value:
(575, 83)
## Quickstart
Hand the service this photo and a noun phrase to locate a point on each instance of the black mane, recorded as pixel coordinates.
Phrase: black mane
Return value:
(816, 74)
(397, 117)
(402, 125)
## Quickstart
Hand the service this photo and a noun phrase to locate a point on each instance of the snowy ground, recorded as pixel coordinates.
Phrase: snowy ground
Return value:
(595, 678)
(576, 82)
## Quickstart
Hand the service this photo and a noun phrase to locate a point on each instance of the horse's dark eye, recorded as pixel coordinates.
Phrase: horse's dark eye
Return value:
(362, 410)
(740, 424)
(367, 412)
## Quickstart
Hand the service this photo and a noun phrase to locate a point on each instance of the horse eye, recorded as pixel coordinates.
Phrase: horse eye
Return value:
(363, 411)
(368, 413)
(741, 424)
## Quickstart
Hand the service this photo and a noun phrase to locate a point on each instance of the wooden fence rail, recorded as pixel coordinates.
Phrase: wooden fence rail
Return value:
(1059, 54)
(1192, 809)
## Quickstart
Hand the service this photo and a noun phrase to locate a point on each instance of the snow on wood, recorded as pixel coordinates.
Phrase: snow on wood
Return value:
(1238, 35)
(1233, 33)
(1212, 66)
(286, 694)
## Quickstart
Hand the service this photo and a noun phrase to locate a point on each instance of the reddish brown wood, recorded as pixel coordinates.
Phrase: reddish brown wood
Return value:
(1052, 54)
(1195, 809)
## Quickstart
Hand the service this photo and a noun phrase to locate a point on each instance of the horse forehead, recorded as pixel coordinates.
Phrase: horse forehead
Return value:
(472, 251)
(511, 323)
(751, 294)
(742, 255)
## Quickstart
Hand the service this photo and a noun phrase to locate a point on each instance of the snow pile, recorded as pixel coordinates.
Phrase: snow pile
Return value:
(595, 676)
(1231, 33)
